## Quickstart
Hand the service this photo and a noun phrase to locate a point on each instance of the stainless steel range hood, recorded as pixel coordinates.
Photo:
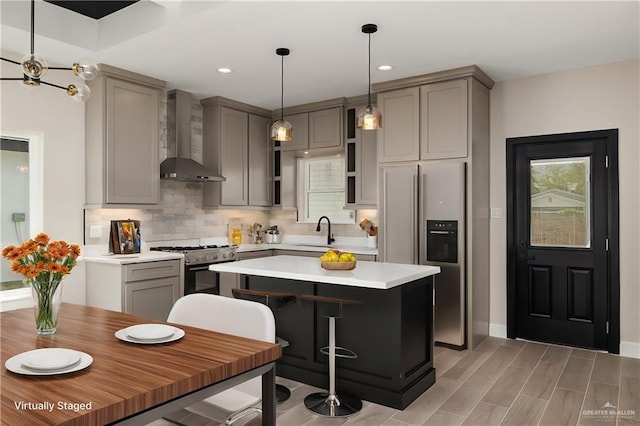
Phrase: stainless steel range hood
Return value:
(182, 167)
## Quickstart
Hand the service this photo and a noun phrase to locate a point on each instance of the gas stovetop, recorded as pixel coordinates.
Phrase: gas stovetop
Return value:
(198, 255)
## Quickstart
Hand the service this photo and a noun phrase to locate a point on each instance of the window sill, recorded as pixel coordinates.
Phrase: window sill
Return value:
(15, 299)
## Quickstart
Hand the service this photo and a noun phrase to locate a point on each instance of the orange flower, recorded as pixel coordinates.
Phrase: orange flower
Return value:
(41, 259)
(42, 239)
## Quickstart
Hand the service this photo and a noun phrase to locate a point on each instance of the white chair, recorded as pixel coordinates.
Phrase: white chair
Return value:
(230, 316)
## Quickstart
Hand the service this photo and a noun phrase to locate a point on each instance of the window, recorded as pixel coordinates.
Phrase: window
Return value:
(321, 190)
(560, 201)
(21, 206)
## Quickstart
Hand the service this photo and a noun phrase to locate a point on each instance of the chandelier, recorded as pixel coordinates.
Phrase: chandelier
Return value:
(35, 67)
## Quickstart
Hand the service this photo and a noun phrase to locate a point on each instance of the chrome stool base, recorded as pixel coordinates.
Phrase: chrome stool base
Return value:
(323, 404)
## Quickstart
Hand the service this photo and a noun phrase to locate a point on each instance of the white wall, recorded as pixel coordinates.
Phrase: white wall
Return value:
(601, 97)
(59, 120)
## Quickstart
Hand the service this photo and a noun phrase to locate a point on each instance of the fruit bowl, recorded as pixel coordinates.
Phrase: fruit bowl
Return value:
(338, 266)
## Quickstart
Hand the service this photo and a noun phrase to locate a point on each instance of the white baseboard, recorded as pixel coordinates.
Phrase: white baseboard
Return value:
(498, 330)
(630, 349)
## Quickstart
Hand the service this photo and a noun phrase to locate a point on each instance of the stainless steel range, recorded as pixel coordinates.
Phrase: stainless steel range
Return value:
(197, 276)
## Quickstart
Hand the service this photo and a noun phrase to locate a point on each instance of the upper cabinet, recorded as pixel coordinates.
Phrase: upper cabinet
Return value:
(300, 133)
(315, 126)
(236, 144)
(428, 117)
(122, 139)
(399, 138)
(443, 120)
(361, 161)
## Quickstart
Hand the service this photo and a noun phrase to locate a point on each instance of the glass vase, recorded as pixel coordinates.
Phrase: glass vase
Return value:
(47, 295)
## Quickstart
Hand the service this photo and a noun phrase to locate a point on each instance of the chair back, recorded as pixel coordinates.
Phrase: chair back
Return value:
(225, 315)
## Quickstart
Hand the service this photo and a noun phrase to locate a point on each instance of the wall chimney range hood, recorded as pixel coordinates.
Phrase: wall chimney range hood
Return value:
(182, 167)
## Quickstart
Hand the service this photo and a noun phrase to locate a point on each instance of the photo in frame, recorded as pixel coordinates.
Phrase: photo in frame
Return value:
(124, 236)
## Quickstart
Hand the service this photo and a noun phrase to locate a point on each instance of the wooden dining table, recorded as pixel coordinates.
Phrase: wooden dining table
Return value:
(126, 383)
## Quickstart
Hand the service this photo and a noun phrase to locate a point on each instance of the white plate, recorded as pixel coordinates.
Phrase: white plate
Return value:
(177, 335)
(50, 359)
(150, 331)
(16, 364)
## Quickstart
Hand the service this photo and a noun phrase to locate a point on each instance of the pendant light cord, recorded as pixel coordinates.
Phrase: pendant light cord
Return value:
(33, 20)
(282, 88)
(369, 97)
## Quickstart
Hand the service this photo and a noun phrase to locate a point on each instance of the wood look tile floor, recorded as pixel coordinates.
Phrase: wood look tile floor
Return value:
(501, 382)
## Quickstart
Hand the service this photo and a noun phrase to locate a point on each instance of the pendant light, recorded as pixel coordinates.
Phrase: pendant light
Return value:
(369, 118)
(282, 130)
(34, 68)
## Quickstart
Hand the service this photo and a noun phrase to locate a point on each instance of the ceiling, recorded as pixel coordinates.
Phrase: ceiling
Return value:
(184, 42)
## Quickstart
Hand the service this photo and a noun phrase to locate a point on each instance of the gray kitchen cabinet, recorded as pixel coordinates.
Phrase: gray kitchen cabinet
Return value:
(236, 144)
(234, 157)
(398, 230)
(443, 120)
(361, 160)
(146, 289)
(260, 146)
(300, 134)
(122, 133)
(399, 138)
(325, 128)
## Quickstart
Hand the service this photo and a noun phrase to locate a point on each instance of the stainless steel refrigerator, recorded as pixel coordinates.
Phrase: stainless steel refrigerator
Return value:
(442, 243)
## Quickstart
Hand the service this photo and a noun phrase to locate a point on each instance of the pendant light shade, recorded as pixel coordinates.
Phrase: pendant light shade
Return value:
(34, 67)
(282, 130)
(369, 118)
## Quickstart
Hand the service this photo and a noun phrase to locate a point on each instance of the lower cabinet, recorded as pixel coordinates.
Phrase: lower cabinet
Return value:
(146, 289)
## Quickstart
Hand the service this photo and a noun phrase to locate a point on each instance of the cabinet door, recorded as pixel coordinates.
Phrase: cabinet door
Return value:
(234, 157)
(325, 128)
(151, 299)
(443, 120)
(288, 184)
(398, 216)
(398, 140)
(300, 139)
(132, 165)
(259, 161)
(367, 167)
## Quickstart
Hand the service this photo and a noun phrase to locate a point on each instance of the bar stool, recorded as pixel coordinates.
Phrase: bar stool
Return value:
(273, 300)
(332, 404)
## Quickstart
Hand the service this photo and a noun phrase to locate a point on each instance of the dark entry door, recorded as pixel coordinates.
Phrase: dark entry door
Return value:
(559, 224)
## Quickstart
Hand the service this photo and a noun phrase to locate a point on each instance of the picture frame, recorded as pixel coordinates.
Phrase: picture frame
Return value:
(124, 237)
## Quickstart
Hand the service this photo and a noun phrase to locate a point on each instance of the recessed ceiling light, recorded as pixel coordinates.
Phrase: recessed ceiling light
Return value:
(385, 67)
(224, 70)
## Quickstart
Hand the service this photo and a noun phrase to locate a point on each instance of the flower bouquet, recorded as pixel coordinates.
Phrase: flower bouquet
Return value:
(44, 264)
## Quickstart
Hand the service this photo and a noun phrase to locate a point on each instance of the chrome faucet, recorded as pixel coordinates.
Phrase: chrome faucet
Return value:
(330, 238)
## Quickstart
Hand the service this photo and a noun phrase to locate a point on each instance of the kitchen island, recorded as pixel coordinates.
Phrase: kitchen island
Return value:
(391, 330)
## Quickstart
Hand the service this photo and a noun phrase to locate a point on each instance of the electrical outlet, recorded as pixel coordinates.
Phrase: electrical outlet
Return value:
(18, 217)
(95, 231)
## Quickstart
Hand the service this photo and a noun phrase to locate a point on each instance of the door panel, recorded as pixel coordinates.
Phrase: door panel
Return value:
(559, 222)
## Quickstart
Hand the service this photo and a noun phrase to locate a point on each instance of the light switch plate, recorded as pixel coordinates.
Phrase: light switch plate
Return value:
(496, 213)
(95, 231)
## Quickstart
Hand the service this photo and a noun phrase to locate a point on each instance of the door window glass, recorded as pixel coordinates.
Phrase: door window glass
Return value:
(560, 202)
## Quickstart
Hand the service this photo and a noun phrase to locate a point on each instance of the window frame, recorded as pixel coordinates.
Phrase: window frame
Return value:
(302, 185)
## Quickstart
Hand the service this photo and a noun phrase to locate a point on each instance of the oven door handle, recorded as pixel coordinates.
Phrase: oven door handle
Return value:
(198, 268)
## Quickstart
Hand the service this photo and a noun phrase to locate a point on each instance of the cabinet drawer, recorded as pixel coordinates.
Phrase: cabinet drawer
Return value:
(151, 270)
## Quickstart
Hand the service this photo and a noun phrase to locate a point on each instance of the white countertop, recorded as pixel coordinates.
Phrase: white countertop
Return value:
(375, 275)
(101, 255)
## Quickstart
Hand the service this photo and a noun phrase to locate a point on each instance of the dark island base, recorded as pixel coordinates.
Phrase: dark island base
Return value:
(391, 331)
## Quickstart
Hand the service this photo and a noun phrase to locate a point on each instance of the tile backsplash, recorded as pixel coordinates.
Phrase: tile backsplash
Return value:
(180, 215)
